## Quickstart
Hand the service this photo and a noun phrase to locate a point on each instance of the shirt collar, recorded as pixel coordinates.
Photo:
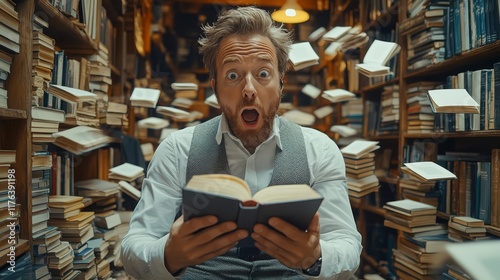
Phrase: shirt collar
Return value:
(224, 129)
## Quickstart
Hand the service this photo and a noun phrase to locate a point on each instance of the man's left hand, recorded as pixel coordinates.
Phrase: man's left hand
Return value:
(288, 244)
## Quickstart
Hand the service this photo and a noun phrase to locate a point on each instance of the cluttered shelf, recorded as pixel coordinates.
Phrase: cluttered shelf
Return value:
(62, 28)
(460, 134)
(378, 86)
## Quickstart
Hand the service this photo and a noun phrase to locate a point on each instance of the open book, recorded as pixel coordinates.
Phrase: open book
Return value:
(229, 198)
(478, 259)
(144, 97)
(338, 95)
(377, 56)
(452, 101)
(302, 55)
(427, 171)
(359, 148)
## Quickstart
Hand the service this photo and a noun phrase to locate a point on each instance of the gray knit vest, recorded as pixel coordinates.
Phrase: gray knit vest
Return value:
(290, 163)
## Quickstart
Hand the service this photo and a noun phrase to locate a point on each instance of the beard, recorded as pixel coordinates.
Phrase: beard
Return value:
(251, 139)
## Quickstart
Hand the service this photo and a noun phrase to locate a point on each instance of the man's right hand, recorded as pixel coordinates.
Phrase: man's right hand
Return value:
(199, 240)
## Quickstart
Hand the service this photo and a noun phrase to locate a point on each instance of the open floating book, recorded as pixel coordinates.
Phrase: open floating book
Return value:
(81, 139)
(338, 95)
(359, 148)
(72, 95)
(302, 55)
(452, 101)
(427, 171)
(311, 91)
(377, 56)
(229, 198)
(144, 97)
(184, 86)
(299, 117)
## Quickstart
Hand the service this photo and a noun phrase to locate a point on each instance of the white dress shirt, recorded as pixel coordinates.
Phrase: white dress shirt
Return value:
(143, 246)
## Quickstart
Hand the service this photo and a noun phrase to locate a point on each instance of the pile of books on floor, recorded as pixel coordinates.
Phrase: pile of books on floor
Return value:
(415, 220)
(360, 165)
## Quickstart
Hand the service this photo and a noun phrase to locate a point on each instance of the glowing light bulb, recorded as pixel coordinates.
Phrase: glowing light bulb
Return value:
(290, 12)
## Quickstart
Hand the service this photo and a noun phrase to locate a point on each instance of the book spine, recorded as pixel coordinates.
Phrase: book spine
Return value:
(484, 201)
(247, 218)
(495, 186)
(496, 70)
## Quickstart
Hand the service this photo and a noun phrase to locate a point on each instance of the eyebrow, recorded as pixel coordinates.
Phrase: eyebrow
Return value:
(231, 58)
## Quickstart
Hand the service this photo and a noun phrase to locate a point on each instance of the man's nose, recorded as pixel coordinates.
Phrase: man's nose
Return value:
(249, 90)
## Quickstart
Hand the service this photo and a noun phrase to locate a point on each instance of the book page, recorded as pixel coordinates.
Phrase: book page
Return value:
(454, 98)
(380, 52)
(478, 259)
(359, 147)
(283, 193)
(222, 184)
(430, 170)
(302, 52)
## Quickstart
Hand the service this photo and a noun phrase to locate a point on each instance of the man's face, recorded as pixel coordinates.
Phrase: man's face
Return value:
(248, 86)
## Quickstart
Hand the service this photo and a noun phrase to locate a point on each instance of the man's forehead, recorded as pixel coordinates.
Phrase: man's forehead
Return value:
(235, 46)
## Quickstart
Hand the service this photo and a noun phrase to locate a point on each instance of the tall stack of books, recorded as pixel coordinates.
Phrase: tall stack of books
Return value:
(414, 219)
(360, 165)
(420, 116)
(389, 103)
(44, 122)
(75, 226)
(101, 249)
(465, 228)
(43, 61)
(9, 40)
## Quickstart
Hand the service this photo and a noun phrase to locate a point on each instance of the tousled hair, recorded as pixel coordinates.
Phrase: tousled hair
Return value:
(244, 21)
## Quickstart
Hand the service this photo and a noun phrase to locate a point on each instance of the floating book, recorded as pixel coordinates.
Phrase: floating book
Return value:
(72, 95)
(311, 90)
(127, 188)
(96, 188)
(336, 33)
(427, 171)
(343, 130)
(316, 34)
(338, 95)
(410, 207)
(479, 259)
(323, 111)
(212, 101)
(144, 97)
(184, 86)
(81, 139)
(377, 56)
(153, 123)
(452, 101)
(126, 171)
(302, 55)
(299, 117)
(359, 148)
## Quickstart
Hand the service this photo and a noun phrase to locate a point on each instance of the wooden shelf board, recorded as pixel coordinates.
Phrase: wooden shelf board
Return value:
(383, 137)
(379, 86)
(66, 34)
(7, 113)
(374, 209)
(459, 134)
(458, 62)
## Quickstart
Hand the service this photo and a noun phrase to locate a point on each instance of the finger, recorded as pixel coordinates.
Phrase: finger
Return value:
(195, 224)
(216, 246)
(285, 258)
(287, 229)
(314, 225)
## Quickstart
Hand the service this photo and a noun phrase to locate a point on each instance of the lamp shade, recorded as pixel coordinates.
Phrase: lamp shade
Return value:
(291, 12)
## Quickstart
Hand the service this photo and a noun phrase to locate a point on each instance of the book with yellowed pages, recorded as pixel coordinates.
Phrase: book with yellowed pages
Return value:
(81, 139)
(72, 95)
(127, 188)
(359, 148)
(229, 198)
(410, 207)
(338, 95)
(452, 101)
(144, 97)
(126, 171)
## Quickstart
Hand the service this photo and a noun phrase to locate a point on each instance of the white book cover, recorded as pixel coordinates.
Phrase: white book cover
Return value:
(336, 33)
(430, 170)
(316, 34)
(153, 123)
(359, 147)
(311, 91)
(212, 101)
(301, 53)
(338, 95)
(146, 97)
(323, 111)
(127, 170)
(452, 101)
(299, 117)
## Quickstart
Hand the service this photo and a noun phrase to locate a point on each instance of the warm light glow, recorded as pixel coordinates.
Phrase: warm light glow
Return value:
(291, 12)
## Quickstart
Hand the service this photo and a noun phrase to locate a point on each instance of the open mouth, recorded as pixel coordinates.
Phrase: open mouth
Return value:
(250, 117)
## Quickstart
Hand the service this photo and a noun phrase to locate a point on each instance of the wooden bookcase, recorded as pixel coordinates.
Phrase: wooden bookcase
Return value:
(15, 122)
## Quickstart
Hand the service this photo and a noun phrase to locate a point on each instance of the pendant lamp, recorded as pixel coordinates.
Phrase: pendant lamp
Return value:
(291, 12)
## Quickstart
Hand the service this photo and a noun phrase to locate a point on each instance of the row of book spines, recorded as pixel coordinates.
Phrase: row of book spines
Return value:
(475, 192)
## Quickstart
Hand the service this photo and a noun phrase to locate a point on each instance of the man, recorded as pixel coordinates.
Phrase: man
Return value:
(246, 55)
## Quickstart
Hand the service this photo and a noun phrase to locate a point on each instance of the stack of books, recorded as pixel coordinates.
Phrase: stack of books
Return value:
(80, 105)
(101, 248)
(114, 114)
(187, 90)
(44, 122)
(9, 40)
(75, 225)
(43, 64)
(415, 219)
(100, 73)
(420, 180)
(127, 175)
(420, 115)
(465, 228)
(389, 103)
(108, 227)
(360, 165)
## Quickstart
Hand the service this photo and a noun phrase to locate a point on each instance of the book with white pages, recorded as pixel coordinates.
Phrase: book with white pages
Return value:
(172, 112)
(452, 101)
(302, 55)
(71, 95)
(479, 259)
(144, 97)
(359, 148)
(127, 188)
(184, 86)
(336, 33)
(343, 130)
(182, 102)
(428, 171)
(81, 139)
(332, 50)
(126, 171)
(376, 58)
(153, 123)
(299, 117)
(363, 183)
(311, 91)
(338, 95)
(212, 101)
(316, 34)
(322, 112)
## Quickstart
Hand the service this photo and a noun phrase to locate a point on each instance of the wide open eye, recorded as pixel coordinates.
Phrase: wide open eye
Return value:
(232, 75)
(264, 73)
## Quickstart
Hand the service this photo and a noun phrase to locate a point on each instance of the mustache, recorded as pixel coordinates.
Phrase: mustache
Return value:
(247, 102)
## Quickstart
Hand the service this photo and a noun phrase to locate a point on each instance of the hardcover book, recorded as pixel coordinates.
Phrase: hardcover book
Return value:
(377, 56)
(229, 198)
